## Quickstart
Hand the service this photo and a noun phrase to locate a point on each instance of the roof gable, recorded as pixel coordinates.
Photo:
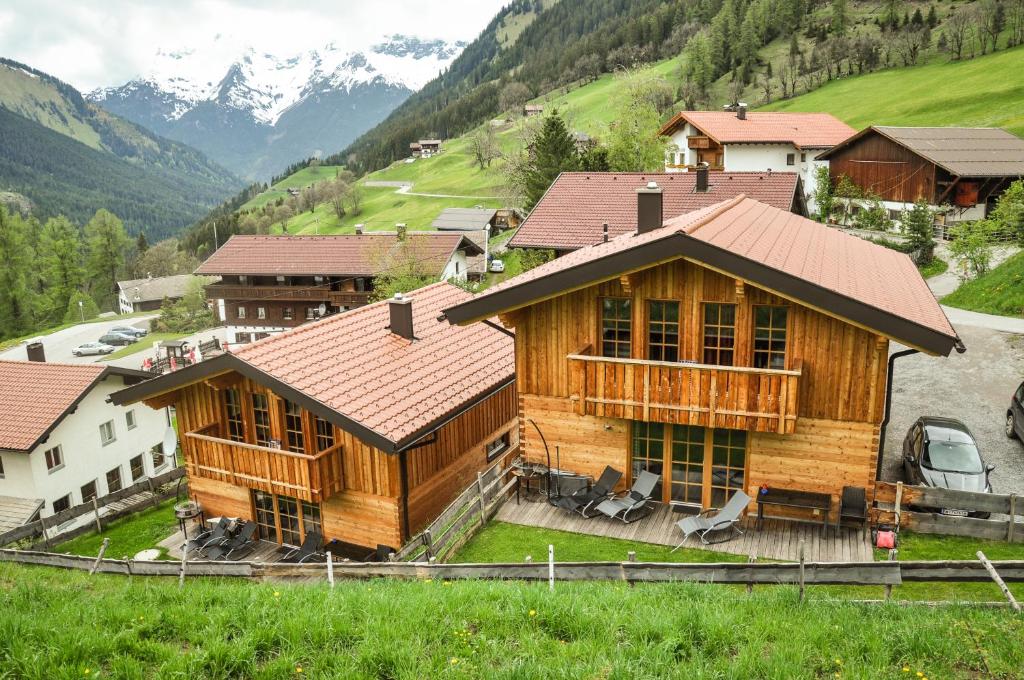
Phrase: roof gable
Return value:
(803, 130)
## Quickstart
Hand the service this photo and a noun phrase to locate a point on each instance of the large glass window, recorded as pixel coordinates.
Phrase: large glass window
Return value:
(233, 406)
(324, 434)
(293, 427)
(770, 336)
(616, 328)
(265, 522)
(288, 517)
(261, 418)
(687, 464)
(649, 451)
(728, 460)
(663, 331)
(719, 333)
(310, 519)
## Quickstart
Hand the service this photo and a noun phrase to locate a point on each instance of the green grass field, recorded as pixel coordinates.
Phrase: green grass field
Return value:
(1001, 291)
(129, 535)
(299, 180)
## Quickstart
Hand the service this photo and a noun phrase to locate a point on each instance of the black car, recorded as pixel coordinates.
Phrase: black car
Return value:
(942, 453)
(1015, 415)
(117, 339)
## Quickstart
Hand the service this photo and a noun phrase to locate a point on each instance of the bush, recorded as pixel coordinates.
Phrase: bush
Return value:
(873, 216)
(88, 310)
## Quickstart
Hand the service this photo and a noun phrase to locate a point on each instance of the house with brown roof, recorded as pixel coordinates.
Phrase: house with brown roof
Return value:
(62, 443)
(736, 140)
(143, 295)
(272, 283)
(575, 209)
(362, 426)
(729, 348)
(958, 171)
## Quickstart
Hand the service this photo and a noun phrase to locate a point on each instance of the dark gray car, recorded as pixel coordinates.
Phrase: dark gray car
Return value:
(942, 452)
(1015, 415)
(118, 339)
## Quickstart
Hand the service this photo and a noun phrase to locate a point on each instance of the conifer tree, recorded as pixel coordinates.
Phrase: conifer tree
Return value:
(554, 152)
(106, 245)
(17, 297)
(60, 265)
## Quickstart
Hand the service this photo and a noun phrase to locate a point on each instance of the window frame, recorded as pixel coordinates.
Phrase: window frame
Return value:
(495, 448)
(287, 313)
(790, 159)
(142, 467)
(158, 450)
(95, 491)
(234, 415)
(718, 349)
(65, 500)
(619, 325)
(240, 312)
(663, 346)
(259, 426)
(129, 419)
(59, 458)
(772, 330)
(113, 433)
(261, 313)
(324, 439)
(119, 479)
(293, 417)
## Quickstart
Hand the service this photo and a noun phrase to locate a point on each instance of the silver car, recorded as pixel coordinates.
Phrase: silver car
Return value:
(92, 348)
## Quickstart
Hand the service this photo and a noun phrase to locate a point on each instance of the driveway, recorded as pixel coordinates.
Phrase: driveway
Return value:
(58, 345)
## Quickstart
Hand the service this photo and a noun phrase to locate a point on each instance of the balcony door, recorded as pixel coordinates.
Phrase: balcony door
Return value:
(698, 466)
(284, 520)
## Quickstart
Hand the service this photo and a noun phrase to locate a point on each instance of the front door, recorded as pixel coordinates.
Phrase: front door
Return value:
(698, 466)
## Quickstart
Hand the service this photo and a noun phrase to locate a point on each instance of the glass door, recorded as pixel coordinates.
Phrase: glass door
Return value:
(687, 465)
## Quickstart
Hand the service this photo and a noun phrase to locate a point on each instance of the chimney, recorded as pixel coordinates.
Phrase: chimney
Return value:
(702, 178)
(400, 230)
(401, 316)
(359, 229)
(648, 208)
(605, 229)
(741, 110)
(35, 351)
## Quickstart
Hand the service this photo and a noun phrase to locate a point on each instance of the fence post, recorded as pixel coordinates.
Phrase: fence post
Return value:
(999, 581)
(631, 556)
(529, 560)
(750, 584)
(1013, 520)
(801, 571)
(96, 511)
(99, 558)
(330, 569)
(892, 558)
(46, 537)
(429, 543)
(156, 501)
(483, 503)
(181, 572)
(392, 557)
(899, 504)
(551, 567)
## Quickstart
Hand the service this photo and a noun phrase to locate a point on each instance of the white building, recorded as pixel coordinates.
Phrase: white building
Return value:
(742, 141)
(143, 295)
(62, 442)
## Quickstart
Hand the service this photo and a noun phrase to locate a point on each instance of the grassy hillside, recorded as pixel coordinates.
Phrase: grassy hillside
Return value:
(1001, 291)
(114, 627)
(298, 180)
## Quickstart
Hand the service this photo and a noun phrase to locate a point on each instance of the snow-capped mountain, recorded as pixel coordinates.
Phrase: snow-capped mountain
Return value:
(257, 112)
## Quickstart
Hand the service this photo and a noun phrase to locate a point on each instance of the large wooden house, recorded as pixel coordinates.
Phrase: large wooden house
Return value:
(362, 426)
(730, 347)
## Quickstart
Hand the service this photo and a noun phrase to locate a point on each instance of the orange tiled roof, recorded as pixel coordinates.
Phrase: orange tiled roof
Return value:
(35, 395)
(803, 130)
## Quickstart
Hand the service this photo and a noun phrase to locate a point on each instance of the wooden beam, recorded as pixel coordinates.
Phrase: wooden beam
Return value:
(163, 400)
(510, 319)
(627, 284)
(223, 381)
(741, 291)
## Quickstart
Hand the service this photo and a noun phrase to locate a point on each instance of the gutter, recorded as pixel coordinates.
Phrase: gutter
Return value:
(888, 406)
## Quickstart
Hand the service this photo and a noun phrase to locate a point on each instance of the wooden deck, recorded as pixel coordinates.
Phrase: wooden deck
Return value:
(264, 552)
(777, 540)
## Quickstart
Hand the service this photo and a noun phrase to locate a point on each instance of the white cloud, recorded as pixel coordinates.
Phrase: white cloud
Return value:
(95, 43)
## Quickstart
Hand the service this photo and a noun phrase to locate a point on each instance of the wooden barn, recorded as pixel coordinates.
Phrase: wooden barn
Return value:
(362, 426)
(735, 346)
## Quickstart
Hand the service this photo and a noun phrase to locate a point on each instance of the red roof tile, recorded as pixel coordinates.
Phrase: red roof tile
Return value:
(572, 212)
(354, 365)
(34, 395)
(338, 255)
(800, 129)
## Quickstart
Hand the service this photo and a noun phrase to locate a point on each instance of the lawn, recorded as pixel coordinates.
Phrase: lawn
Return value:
(111, 626)
(298, 180)
(142, 344)
(1001, 291)
(934, 268)
(129, 535)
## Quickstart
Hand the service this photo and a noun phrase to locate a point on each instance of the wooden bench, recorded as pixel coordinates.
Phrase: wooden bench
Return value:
(790, 498)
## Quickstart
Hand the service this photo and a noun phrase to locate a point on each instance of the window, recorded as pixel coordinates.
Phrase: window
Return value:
(261, 312)
(790, 159)
(687, 464)
(499, 445)
(114, 480)
(803, 158)
(616, 328)
(663, 331)
(288, 520)
(287, 314)
(241, 311)
(896, 215)
(324, 434)
(137, 468)
(54, 458)
(89, 491)
(107, 435)
(266, 523)
(770, 336)
(283, 519)
(1, 468)
(261, 418)
(157, 454)
(62, 504)
(649, 451)
(310, 313)
(293, 427)
(728, 460)
(310, 519)
(129, 418)
(719, 333)
(233, 408)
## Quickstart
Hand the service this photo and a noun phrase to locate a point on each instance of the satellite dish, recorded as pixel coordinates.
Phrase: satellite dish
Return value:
(322, 309)
(170, 441)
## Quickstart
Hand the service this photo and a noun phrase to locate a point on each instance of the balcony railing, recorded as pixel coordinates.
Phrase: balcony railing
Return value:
(299, 475)
(224, 291)
(759, 400)
(349, 298)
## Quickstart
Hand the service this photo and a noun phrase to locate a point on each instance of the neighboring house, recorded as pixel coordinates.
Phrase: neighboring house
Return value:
(415, 149)
(583, 142)
(533, 110)
(738, 141)
(144, 295)
(736, 346)
(429, 147)
(271, 283)
(573, 212)
(961, 170)
(63, 443)
(363, 426)
(466, 219)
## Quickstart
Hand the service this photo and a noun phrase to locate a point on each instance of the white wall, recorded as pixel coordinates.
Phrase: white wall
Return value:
(85, 457)
(456, 268)
(124, 303)
(760, 157)
(681, 154)
(231, 332)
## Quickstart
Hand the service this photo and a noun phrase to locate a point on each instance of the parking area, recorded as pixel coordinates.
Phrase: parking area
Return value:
(58, 345)
(974, 387)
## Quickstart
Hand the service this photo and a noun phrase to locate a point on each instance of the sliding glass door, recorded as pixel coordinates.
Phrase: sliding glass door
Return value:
(283, 519)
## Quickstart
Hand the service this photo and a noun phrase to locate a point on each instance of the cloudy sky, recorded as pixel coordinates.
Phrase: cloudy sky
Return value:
(94, 43)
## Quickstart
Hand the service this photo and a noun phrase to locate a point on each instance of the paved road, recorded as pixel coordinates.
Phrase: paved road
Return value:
(406, 189)
(58, 345)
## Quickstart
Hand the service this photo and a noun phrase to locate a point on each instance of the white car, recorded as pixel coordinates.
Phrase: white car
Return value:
(92, 348)
(497, 266)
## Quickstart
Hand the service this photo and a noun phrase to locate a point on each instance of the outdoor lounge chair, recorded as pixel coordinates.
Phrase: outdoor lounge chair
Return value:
(635, 501)
(309, 550)
(584, 501)
(854, 505)
(210, 537)
(722, 520)
(236, 546)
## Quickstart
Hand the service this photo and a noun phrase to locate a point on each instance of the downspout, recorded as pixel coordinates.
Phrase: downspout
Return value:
(403, 482)
(888, 406)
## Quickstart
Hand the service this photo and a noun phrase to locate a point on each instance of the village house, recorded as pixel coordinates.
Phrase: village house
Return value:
(737, 141)
(144, 295)
(476, 219)
(574, 211)
(62, 443)
(533, 110)
(362, 426)
(271, 283)
(732, 347)
(959, 172)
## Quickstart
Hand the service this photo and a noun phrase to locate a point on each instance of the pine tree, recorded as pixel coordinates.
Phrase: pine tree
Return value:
(917, 19)
(106, 247)
(554, 152)
(917, 225)
(840, 17)
(17, 298)
(933, 18)
(60, 260)
(141, 244)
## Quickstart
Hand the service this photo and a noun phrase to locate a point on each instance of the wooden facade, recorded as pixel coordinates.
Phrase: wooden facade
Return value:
(889, 170)
(251, 454)
(806, 418)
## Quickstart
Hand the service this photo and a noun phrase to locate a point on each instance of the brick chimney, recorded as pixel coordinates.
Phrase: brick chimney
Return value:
(649, 214)
(35, 351)
(400, 230)
(359, 229)
(702, 178)
(401, 316)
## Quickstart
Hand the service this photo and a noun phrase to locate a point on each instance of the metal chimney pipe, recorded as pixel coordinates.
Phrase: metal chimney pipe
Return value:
(605, 230)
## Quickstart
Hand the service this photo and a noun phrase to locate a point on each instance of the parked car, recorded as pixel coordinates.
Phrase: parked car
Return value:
(129, 330)
(1015, 415)
(497, 266)
(119, 339)
(942, 453)
(92, 348)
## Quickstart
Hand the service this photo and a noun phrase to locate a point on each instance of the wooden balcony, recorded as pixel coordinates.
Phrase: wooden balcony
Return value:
(349, 298)
(758, 400)
(226, 291)
(299, 475)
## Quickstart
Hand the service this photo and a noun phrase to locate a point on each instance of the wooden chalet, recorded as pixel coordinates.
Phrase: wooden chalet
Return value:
(730, 347)
(362, 426)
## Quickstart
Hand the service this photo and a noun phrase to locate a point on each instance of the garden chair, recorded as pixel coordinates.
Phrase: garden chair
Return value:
(235, 546)
(584, 501)
(309, 549)
(210, 537)
(634, 501)
(706, 523)
(853, 505)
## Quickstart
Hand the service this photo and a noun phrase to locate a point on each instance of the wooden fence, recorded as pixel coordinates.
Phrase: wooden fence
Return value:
(896, 500)
(44, 527)
(466, 515)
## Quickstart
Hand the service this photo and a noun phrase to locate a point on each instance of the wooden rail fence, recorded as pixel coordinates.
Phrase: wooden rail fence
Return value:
(896, 500)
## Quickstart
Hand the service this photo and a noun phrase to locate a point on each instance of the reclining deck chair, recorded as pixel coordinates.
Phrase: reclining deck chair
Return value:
(238, 545)
(635, 501)
(584, 501)
(706, 523)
